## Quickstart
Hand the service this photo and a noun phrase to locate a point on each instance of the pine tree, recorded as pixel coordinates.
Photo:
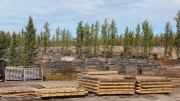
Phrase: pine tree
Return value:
(138, 38)
(21, 54)
(92, 39)
(177, 38)
(68, 38)
(121, 40)
(46, 36)
(96, 39)
(38, 40)
(42, 39)
(113, 32)
(104, 35)
(79, 39)
(58, 32)
(147, 35)
(53, 41)
(4, 43)
(87, 40)
(131, 39)
(63, 39)
(168, 42)
(127, 44)
(13, 52)
(30, 43)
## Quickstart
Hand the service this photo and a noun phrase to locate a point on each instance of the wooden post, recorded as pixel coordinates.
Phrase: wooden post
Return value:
(5, 74)
(42, 73)
(24, 74)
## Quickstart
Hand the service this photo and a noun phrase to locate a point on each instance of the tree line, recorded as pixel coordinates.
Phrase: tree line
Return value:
(21, 48)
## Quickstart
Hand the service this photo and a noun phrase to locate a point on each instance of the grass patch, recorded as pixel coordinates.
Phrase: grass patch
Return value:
(59, 77)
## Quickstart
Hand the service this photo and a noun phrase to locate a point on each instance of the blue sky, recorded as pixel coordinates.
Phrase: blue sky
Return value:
(67, 13)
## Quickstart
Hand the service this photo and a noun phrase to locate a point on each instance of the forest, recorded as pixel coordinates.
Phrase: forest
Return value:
(20, 48)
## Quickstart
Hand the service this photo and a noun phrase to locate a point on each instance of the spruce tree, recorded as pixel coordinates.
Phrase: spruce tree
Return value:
(21, 54)
(177, 37)
(53, 41)
(58, 32)
(131, 39)
(113, 32)
(87, 40)
(104, 36)
(168, 40)
(121, 39)
(42, 39)
(147, 35)
(68, 38)
(5, 40)
(92, 39)
(30, 43)
(96, 39)
(13, 51)
(38, 40)
(63, 39)
(79, 39)
(126, 44)
(46, 36)
(137, 41)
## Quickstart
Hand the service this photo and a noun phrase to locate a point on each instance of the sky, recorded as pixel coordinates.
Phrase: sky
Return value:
(66, 14)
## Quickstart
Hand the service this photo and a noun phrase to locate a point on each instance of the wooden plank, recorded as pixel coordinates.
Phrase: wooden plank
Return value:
(60, 91)
(155, 86)
(57, 86)
(154, 89)
(89, 83)
(121, 92)
(89, 80)
(153, 92)
(63, 94)
(151, 79)
(116, 83)
(154, 83)
(116, 90)
(91, 87)
(100, 73)
(110, 87)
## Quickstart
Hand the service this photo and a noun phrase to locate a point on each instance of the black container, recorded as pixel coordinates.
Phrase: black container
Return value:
(2, 69)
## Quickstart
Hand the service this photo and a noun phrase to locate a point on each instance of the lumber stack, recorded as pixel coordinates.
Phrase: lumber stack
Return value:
(153, 85)
(60, 90)
(106, 83)
(100, 73)
(175, 84)
(16, 90)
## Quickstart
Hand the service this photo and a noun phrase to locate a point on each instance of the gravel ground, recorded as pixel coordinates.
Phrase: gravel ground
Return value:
(147, 97)
(91, 97)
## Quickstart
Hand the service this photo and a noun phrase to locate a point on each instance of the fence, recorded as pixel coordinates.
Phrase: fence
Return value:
(23, 74)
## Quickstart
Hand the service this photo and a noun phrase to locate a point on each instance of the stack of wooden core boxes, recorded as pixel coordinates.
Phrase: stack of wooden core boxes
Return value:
(153, 85)
(61, 90)
(107, 82)
(16, 90)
